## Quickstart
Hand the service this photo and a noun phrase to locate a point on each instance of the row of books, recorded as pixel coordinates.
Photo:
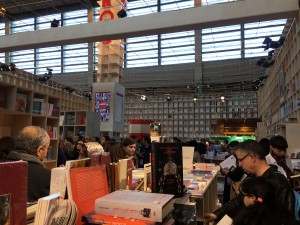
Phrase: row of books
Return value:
(52, 131)
(40, 107)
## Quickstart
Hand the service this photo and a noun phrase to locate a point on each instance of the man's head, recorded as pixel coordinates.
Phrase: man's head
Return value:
(232, 146)
(33, 140)
(251, 156)
(278, 145)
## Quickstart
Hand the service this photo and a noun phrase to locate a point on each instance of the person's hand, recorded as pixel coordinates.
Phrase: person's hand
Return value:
(224, 171)
(209, 217)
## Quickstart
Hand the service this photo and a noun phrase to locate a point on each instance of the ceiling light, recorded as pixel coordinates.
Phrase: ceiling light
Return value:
(143, 97)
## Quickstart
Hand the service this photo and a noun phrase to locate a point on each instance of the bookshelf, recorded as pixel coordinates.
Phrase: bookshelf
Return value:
(79, 121)
(279, 98)
(19, 108)
(185, 118)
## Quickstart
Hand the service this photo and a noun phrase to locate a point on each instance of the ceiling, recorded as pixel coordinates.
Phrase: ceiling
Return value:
(18, 9)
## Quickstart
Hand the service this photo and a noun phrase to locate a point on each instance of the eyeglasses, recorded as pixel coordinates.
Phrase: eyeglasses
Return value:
(243, 158)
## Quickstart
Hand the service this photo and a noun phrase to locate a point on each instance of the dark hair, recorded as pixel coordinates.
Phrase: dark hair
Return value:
(147, 139)
(264, 211)
(251, 146)
(265, 143)
(233, 144)
(279, 142)
(127, 141)
(106, 137)
(260, 188)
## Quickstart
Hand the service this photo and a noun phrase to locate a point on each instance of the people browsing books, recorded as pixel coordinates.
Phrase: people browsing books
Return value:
(32, 145)
(258, 198)
(126, 150)
(251, 157)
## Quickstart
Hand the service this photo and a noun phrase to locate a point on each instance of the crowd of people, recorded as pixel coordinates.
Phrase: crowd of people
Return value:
(263, 192)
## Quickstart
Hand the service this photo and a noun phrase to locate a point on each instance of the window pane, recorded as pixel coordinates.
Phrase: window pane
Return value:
(178, 59)
(221, 55)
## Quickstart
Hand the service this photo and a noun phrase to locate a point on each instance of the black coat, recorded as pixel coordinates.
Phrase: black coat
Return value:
(38, 175)
(283, 191)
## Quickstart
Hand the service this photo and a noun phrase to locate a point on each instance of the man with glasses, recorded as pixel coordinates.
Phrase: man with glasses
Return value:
(32, 146)
(251, 157)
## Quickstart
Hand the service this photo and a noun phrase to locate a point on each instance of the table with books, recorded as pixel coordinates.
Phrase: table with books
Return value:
(202, 184)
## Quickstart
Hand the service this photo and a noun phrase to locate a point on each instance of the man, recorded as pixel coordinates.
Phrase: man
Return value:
(32, 146)
(277, 156)
(251, 157)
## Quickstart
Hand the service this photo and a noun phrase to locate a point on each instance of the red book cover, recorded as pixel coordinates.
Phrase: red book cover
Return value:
(87, 185)
(13, 191)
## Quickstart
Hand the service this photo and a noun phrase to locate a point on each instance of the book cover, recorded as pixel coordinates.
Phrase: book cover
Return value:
(93, 218)
(102, 158)
(167, 168)
(125, 174)
(135, 205)
(13, 191)
(36, 107)
(147, 177)
(58, 182)
(187, 158)
(87, 185)
(21, 102)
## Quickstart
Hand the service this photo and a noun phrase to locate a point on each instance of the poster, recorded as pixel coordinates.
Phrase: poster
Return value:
(102, 105)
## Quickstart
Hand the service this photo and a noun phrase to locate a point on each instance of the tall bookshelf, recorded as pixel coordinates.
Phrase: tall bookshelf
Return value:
(187, 118)
(81, 122)
(279, 98)
(19, 95)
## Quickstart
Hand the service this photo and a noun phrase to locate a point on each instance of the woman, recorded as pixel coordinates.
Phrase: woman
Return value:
(126, 150)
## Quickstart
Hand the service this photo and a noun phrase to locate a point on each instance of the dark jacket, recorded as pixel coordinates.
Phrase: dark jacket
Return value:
(283, 191)
(38, 175)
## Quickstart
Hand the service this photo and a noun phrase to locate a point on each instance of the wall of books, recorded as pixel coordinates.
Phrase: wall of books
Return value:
(185, 117)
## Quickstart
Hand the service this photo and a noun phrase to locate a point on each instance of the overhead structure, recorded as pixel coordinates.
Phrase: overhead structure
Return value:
(171, 21)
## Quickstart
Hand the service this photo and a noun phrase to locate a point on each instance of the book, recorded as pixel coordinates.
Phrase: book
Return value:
(226, 220)
(147, 177)
(167, 168)
(52, 210)
(135, 205)
(187, 158)
(21, 102)
(229, 163)
(13, 191)
(92, 218)
(58, 182)
(87, 184)
(102, 158)
(125, 174)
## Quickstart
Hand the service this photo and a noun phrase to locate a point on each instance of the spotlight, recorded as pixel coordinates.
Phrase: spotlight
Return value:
(68, 90)
(222, 99)
(54, 23)
(143, 97)
(168, 98)
(268, 43)
(122, 13)
(46, 76)
(270, 54)
(2, 13)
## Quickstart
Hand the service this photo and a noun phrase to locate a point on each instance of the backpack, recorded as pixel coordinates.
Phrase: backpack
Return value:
(297, 205)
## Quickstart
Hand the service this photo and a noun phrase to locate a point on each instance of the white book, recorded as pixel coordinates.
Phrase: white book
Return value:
(230, 162)
(58, 181)
(135, 205)
(226, 220)
(187, 159)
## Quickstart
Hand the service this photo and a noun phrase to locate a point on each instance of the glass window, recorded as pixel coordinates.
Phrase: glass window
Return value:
(2, 29)
(22, 25)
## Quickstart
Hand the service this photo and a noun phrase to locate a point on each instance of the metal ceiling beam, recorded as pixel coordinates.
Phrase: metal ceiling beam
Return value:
(164, 22)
